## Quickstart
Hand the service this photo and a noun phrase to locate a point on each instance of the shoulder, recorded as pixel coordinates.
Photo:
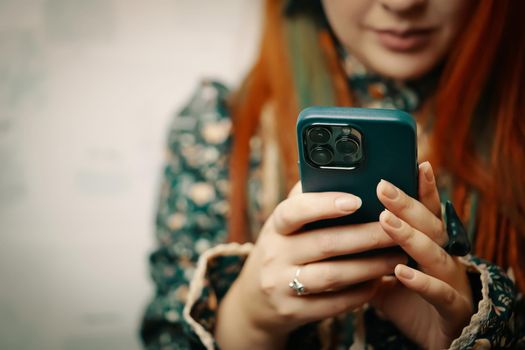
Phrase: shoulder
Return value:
(199, 135)
(209, 95)
(196, 170)
(206, 115)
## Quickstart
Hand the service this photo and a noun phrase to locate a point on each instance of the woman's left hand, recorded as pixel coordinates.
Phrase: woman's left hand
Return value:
(432, 304)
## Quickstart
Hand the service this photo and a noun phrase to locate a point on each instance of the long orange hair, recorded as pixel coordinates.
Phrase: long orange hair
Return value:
(479, 128)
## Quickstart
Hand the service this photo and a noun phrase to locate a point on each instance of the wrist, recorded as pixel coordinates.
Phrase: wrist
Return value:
(235, 329)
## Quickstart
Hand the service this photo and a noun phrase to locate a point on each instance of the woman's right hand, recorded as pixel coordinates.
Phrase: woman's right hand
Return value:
(260, 307)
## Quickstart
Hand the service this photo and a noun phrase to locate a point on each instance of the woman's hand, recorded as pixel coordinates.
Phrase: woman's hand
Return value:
(432, 304)
(260, 309)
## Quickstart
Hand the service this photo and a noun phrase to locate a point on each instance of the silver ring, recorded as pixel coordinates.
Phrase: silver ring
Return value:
(297, 286)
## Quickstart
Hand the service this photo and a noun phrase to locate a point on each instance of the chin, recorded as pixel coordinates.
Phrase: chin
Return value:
(402, 73)
(401, 66)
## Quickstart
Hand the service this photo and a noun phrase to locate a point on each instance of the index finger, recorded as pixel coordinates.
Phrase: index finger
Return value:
(332, 241)
(298, 210)
(428, 193)
(414, 212)
(431, 257)
(296, 189)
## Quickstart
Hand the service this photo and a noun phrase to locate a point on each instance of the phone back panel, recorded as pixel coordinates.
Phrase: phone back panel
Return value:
(389, 147)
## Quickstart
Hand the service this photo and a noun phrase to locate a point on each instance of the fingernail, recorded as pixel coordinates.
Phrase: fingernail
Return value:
(427, 171)
(392, 220)
(389, 190)
(405, 272)
(348, 203)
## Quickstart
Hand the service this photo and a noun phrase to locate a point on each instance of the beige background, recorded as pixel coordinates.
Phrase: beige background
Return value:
(87, 89)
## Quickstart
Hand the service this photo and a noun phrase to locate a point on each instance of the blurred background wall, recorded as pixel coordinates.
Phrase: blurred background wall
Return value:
(87, 90)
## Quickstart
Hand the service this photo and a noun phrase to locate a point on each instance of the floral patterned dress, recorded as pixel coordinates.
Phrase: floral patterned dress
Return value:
(192, 267)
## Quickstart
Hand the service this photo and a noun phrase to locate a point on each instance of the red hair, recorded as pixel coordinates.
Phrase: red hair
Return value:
(480, 129)
(478, 134)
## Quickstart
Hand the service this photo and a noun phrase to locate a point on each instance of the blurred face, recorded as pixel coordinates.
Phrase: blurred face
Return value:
(400, 39)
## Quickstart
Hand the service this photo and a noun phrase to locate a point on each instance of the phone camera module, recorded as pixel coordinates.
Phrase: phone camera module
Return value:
(321, 155)
(347, 145)
(319, 134)
(333, 146)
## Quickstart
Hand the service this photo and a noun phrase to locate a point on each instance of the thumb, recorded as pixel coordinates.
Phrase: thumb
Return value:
(296, 189)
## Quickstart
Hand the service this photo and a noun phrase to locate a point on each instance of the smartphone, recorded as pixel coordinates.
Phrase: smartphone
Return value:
(351, 149)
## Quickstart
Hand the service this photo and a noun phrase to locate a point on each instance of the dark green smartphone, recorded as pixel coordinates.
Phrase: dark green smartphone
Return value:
(351, 149)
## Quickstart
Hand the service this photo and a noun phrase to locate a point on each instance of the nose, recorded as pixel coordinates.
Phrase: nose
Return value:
(402, 6)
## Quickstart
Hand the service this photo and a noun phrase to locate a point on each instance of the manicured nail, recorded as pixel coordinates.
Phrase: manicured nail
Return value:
(392, 220)
(405, 272)
(427, 171)
(348, 203)
(389, 190)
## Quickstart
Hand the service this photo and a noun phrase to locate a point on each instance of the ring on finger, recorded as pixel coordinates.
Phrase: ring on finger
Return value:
(296, 285)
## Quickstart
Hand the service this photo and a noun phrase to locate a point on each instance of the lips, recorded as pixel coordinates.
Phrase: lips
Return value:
(404, 40)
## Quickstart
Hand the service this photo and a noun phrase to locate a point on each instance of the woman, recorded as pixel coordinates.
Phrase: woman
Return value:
(458, 67)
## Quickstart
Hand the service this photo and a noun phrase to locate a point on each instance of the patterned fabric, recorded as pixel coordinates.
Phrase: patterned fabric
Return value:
(375, 91)
(191, 212)
(191, 223)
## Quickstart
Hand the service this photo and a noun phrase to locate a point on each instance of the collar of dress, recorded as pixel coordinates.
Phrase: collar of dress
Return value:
(375, 91)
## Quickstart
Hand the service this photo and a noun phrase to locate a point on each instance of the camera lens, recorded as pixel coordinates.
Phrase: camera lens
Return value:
(347, 145)
(321, 155)
(319, 134)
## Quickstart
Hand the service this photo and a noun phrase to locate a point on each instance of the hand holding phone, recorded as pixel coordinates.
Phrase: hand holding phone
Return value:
(352, 149)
